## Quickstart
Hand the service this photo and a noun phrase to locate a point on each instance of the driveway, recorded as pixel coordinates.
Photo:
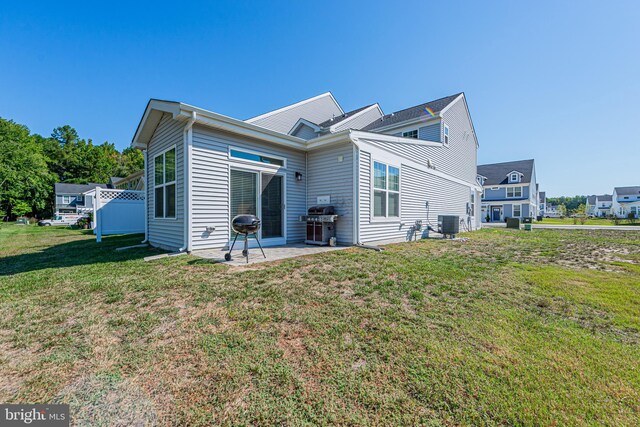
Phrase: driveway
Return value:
(569, 226)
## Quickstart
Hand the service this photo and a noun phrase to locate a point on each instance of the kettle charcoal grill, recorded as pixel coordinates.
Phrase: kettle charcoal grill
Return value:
(245, 224)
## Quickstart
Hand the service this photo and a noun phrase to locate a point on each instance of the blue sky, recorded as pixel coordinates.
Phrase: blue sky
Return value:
(555, 81)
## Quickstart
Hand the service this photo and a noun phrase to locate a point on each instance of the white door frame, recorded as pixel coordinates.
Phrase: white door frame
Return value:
(258, 171)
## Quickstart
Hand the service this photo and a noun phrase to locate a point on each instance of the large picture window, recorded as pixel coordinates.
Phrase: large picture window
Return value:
(386, 191)
(514, 192)
(165, 184)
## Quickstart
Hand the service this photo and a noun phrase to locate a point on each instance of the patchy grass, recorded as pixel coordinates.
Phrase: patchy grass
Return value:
(589, 221)
(506, 328)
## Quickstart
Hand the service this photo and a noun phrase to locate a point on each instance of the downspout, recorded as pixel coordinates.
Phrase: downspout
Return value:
(356, 195)
(146, 198)
(186, 159)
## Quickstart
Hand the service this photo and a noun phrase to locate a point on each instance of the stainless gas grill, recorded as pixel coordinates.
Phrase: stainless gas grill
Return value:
(321, 224)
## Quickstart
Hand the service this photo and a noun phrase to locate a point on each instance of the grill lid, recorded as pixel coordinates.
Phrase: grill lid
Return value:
(245, 223)
(322, 210)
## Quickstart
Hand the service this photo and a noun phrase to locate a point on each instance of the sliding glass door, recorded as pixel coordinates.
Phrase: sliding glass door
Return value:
(272, 206)
(268, 203)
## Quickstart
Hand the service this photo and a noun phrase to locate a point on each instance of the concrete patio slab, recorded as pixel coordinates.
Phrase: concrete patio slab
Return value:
(273, 253)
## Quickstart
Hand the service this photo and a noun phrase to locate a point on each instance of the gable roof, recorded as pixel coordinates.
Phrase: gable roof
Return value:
(628, 191)
(412, 112)
(496, 173)
(334, 120)
(591, 199)
(542, 195)
(64, 188)
(316, 110)
(605, 198)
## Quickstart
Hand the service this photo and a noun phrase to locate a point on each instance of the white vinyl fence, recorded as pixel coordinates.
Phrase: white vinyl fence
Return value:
(118, 212)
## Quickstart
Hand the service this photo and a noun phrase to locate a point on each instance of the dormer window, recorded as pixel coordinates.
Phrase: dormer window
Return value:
(410, 134)
(446, 135)
(514, 177)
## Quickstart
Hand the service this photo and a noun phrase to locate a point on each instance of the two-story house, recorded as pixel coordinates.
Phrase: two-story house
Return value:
(382, 172)
(625, 201)
(599, 205)
(542, 203)
(509, 190)
(70, 198)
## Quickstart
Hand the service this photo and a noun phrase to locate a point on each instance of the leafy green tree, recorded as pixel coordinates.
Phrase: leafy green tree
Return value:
(24, 174)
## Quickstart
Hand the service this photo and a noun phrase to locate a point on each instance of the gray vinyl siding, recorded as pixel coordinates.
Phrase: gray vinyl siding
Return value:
(305, 132)
(416, 189)
(459, 159)
(327, 176)
(360, 121)
(430, 132)
(501, 194)
(508, 211)
(210, 186)
(166, 233)
(525, 210)
(316, 111)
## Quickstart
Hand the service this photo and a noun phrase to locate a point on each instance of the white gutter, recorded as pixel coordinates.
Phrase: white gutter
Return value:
(186, 160)
(146, 198)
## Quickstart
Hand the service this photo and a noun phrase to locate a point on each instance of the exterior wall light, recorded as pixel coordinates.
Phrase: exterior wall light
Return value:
(298, 176)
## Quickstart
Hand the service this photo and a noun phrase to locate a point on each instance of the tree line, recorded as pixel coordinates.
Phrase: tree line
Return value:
(30, 165)
(571, 204)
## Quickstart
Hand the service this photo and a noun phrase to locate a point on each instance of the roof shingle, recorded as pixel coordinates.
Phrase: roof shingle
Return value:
(412, 112)
(496, 173)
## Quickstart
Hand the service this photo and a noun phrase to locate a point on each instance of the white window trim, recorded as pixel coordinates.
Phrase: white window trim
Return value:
(66, 200)
(513, 210)
(385, 218)
(514, 193)
(253, 162)
(516, 179)
(410, 131)
(164, 185)
(472, 203)
(446, 135)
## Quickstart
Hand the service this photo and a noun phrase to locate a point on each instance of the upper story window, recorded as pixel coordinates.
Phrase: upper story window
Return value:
(626, 197)
(514, 192)
(446, 135)
(66, 200)
(80, 200)
(254, 157)
(410, 134)
(514, 177)
(165, 184)
(386, 191)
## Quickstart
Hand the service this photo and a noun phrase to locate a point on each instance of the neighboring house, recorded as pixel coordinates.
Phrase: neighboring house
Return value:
(542, 203)
(626, 200)
(510, 190)
(604, 203)
(381, 172)
(599, 206)
(552, 211)
(135, 181)
(591, 207)
(70, 198)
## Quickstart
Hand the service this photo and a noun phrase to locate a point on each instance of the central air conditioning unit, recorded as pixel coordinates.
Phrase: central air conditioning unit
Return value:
(448, 225)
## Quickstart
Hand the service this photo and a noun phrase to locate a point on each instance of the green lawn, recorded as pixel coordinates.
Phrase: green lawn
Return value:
(506, 328)
(590, 221)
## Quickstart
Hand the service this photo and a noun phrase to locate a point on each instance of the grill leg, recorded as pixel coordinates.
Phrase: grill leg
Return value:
(258, 240)
(246, 247)
(228, 256)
